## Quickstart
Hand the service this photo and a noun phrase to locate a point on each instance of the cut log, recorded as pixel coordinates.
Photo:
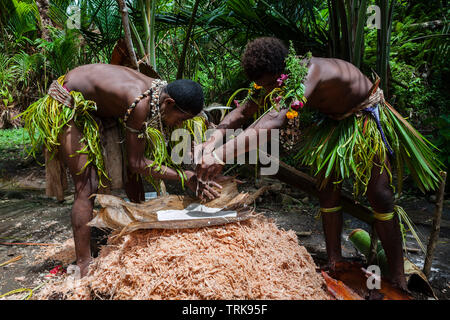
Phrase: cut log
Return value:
(308, 184)
(112, 153)
(55, 177)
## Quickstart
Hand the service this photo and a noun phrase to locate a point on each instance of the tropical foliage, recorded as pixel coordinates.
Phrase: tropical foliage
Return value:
(41, 40)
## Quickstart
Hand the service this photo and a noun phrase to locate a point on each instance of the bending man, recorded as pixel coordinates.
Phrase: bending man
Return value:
(335, 120)
(67, 120)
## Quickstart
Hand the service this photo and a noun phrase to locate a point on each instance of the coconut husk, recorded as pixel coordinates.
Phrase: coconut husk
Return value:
(252, 259)
(63, 252)
(125, 217)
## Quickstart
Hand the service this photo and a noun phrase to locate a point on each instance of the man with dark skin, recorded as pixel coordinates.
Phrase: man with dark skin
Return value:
(114, 88)
(333, 87)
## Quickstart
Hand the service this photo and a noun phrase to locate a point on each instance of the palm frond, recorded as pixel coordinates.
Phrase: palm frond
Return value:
(24, 18)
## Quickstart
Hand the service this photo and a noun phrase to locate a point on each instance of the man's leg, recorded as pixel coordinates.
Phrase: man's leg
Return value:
(329, 199)
(134, 187)
(381, 198)
(85, 184)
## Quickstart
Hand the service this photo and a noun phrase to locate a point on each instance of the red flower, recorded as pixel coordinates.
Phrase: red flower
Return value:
(58, 270)
(281, 79)
(296, 105)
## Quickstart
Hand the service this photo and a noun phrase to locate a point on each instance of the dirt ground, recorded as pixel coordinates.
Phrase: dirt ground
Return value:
(28, 216)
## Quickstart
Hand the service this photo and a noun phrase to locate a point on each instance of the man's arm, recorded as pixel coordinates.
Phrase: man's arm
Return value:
(135, 147)
(211, 165)
(139, 164)
(233, 120)
(272, 120)
(236, 118)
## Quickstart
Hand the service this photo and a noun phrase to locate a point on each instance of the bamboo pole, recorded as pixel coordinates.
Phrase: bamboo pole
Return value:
(151, 39)
(186, 41)
(358, 45)
(436, 227)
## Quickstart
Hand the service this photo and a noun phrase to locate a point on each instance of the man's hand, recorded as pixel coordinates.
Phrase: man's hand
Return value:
(204, 191)
(209, 168)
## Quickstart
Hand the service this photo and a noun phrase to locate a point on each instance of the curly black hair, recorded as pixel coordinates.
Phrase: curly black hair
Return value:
(264, 56)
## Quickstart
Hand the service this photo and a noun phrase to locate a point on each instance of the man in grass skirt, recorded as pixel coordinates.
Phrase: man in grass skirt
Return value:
(67, 121)
(333, 119)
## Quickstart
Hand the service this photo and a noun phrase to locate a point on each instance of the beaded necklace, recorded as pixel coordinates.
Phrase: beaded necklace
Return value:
(154, 118)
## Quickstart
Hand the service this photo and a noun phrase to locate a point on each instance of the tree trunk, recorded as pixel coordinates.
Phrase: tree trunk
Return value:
(308, 184)
(43, 8)
(126, 29)
(55, 177)
(186, 41)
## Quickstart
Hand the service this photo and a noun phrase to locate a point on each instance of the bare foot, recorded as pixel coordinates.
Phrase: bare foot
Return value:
(333, 265)
(400, 283)
(84, 267)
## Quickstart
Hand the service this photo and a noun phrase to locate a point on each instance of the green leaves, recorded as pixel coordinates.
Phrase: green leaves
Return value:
(158, 149)
(13, 139)
(46, 118)
(23, 18)
(25, 66)
(62, 53)
(352, 147)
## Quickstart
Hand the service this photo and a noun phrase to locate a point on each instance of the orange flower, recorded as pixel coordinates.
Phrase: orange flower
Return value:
(291, 114)
(256, 86)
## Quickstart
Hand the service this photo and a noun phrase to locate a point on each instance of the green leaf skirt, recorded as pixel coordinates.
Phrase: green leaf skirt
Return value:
(46, 118)
(353, 147)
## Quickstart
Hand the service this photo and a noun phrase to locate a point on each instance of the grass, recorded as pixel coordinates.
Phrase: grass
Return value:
(13, 143)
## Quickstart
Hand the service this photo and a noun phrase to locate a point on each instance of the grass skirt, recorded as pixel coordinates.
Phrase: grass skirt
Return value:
(46, 118)
(352, 147)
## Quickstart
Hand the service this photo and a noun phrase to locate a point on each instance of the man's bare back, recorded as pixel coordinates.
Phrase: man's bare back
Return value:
(112, 87)
(334, 86)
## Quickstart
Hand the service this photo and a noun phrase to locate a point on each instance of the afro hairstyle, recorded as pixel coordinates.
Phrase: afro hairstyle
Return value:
(264, 56)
